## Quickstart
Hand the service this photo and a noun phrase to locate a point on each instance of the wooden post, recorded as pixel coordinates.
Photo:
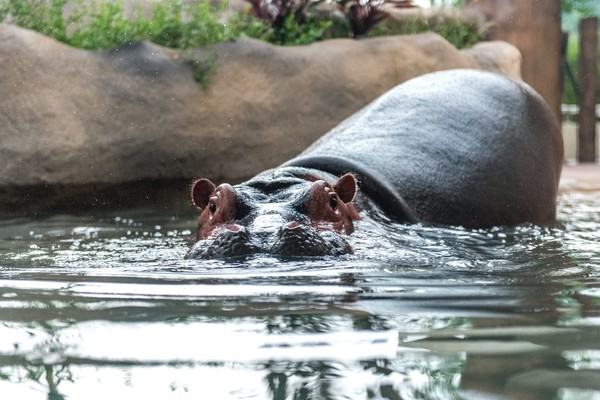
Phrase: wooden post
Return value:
(588, 50)
(533, 26)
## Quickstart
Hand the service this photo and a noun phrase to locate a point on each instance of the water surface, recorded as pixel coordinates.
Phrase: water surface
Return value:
(104, 305)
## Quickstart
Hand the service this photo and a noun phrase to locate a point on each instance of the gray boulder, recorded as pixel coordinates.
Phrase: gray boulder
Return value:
(131, 125)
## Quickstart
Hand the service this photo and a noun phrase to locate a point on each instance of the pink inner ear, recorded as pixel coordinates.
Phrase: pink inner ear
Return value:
(346, 188)
(202, 189)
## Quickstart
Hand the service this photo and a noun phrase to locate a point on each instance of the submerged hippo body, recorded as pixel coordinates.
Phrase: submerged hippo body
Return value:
(459, 147)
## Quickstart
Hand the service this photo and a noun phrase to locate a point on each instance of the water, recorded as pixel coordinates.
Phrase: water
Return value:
(104, 305)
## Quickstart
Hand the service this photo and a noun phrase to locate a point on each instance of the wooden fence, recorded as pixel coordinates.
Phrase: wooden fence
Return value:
(588, 61)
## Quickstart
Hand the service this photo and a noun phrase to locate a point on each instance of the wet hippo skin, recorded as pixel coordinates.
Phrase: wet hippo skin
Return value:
(459, 147)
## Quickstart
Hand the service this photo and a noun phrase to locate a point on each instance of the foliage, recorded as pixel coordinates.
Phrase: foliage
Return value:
(103, 24)
(362, 16)
(462, 34)
(171, 24)
(572, 12)
(108, 18)
(205, 68)
(186, 27)
(241, 24)
(106, 24)
(284, 22)
(297, 22)
(300, 21)
(288, 31)
(449, 3)
(569, 92)
(295, 32)
(583, 7)
(38, 15)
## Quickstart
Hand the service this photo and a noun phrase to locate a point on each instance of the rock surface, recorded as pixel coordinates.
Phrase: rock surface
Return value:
(121, 127)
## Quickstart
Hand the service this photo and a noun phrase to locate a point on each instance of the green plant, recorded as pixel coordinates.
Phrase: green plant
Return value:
(293, 32)
(165, 27)
(584, 7)
(205, 68)
(407, 26)
(107, 26)
(449, 3)
(104, 24)
(170, 23)
(242, 24)
(42, 16)
(461, 34)
(290, 32)
(185, 27)
(285, 22)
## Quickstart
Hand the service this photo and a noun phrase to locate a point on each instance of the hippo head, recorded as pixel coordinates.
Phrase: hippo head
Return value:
(280, 214)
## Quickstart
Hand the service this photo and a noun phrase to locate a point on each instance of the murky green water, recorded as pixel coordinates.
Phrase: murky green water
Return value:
(100, 306)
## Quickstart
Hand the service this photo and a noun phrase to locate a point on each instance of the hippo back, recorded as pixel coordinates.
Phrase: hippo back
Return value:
(460, 147)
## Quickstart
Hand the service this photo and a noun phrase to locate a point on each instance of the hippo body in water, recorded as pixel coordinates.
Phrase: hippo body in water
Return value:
(460, 147)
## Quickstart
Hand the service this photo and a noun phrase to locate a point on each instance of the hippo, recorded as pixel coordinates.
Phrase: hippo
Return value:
(459, 148)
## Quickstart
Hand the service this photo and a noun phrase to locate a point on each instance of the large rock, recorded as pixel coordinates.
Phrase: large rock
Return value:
(80, 128)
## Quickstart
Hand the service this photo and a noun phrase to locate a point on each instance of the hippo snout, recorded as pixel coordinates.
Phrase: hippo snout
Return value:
(291, 239)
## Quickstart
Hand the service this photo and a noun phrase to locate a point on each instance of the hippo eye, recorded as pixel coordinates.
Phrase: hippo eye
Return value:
(212, 206)
(333, 202)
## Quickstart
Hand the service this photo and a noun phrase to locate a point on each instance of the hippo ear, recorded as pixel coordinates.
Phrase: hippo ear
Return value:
(346, 188)
(202, 189)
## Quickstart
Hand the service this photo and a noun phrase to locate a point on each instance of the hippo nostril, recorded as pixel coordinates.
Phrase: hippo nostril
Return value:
(292, 225)
(236, 228)
(233, 241)
(296, 239)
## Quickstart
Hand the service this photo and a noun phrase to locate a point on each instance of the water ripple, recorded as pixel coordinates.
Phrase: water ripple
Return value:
(421, 312)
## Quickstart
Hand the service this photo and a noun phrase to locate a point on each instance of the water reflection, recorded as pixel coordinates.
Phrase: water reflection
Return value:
(98, 306)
